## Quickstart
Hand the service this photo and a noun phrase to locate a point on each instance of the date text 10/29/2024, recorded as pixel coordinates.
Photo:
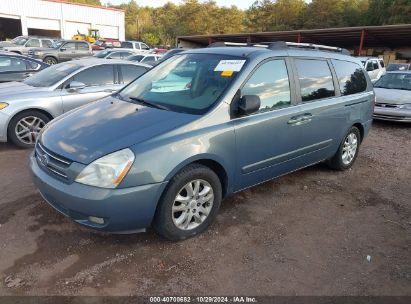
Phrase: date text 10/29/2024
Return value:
(203, 299)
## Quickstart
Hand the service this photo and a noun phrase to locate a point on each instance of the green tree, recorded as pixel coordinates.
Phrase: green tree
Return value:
(92, 2)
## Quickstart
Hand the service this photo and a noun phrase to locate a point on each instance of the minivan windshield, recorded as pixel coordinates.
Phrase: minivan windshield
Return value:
(52, 75)
(398, 81)
(189, 83)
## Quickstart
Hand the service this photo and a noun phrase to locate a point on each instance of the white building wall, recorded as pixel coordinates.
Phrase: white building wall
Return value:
(110, 21)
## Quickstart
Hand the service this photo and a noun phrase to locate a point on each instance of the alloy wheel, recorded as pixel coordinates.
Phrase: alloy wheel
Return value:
(349, 148)
(192, 205)
(28, 129)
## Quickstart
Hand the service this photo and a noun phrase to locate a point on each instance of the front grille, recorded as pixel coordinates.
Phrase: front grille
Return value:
(51, 162)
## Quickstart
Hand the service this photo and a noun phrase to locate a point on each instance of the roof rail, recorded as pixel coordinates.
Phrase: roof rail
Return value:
(278, 45)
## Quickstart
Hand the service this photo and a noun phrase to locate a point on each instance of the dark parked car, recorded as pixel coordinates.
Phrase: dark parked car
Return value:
(166, 149)
(62, 50)
(15, 67)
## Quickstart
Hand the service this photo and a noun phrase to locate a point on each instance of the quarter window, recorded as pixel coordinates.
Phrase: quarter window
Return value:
(316, 81)
(270, 83)
(47, 43)
(99, 75)
(350, 77)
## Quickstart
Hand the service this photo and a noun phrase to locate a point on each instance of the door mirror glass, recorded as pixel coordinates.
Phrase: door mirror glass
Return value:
(75, 86)
(248, 104)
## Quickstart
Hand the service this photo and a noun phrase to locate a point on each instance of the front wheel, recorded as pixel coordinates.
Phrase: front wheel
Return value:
(189, 204)
(50, 60)
(25, 127)
(348, 150)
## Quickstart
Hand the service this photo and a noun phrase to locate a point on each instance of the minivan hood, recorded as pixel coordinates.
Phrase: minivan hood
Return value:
(108, 125)
(392, 96)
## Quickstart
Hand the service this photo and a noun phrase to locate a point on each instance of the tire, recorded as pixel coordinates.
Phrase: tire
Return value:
(32, 122)
(345, 157)
(50, 60)
(194, 219)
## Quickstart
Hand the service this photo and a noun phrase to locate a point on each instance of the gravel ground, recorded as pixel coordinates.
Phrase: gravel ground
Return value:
(313, 232)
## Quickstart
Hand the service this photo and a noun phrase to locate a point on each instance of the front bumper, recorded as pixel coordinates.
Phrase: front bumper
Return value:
(4, 120)
(125, 210)
(392, 114)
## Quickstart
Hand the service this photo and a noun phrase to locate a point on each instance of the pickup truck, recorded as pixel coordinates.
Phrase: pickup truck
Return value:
(136, 46)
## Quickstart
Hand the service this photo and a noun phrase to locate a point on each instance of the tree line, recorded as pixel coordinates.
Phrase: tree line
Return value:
(161, 25)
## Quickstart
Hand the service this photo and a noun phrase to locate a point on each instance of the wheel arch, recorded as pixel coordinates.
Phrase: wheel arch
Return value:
(43, 111)
(360, 127)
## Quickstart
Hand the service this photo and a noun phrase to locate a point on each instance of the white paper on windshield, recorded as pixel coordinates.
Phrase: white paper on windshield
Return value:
(229, 65)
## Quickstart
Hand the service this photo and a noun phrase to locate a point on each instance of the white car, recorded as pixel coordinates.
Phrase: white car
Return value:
(374, 66)
(136, 46)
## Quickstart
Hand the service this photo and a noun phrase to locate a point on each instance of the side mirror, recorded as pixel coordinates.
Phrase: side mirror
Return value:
(74, 86)
(62, 49)
(248, 104)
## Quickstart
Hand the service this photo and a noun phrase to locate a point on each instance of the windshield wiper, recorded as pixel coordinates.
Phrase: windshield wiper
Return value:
(149, 103)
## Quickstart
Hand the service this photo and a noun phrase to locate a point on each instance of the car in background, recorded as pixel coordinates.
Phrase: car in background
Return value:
(15, 67)
(62, 50)
(26, 107)
(398, 67)
(150, 59)
(103, 44)
(114, 54)
(24, 44)
(374, 66)
(159, 51)
(15, 40)
(136, 46)
(393, 97)
(172, 52)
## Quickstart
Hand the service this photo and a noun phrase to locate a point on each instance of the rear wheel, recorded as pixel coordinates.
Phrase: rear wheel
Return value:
(348, 150)
(25, 127)
(189, 204)
(50, 60)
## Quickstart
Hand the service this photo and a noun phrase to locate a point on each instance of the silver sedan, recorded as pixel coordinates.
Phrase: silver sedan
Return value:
(26, 107)
(393, 97)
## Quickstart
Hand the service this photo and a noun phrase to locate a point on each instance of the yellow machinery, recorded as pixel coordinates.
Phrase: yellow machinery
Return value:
(93, 35)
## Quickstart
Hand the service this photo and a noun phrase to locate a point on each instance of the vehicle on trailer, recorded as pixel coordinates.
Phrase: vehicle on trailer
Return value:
(15, 67)
(167, 158)
(150, 59)
(398, 67)
(393, 97)
(114, 54)
(136, 46)
(23, 45)
(61, 51)
(374, 66)
(26, 107)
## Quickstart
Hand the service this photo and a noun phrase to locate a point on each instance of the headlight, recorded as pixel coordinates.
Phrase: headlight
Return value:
(107, 171)
(3, 105)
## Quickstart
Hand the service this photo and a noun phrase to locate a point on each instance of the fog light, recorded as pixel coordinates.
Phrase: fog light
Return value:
(97, 220)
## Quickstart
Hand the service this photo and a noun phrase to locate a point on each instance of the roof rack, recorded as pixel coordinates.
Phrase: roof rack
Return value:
(278, 45)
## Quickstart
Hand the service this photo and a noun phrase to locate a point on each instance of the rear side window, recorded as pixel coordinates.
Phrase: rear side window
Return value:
(382, 63)
(375, 64)
(69, 46)
(131, 72)
(125, 54)
(316, 81)
(98, 75)
(47, 43)
(270, 82)
(11, 64)
(127, 45)
(350, 77)
(82, 46)
(33, 43)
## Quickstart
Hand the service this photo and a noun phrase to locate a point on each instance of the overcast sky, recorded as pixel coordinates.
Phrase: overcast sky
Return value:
(155, 3)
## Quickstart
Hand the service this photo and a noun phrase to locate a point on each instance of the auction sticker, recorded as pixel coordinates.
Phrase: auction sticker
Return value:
(229, 65)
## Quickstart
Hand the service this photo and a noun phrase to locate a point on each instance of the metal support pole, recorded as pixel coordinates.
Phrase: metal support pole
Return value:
(361, 42)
